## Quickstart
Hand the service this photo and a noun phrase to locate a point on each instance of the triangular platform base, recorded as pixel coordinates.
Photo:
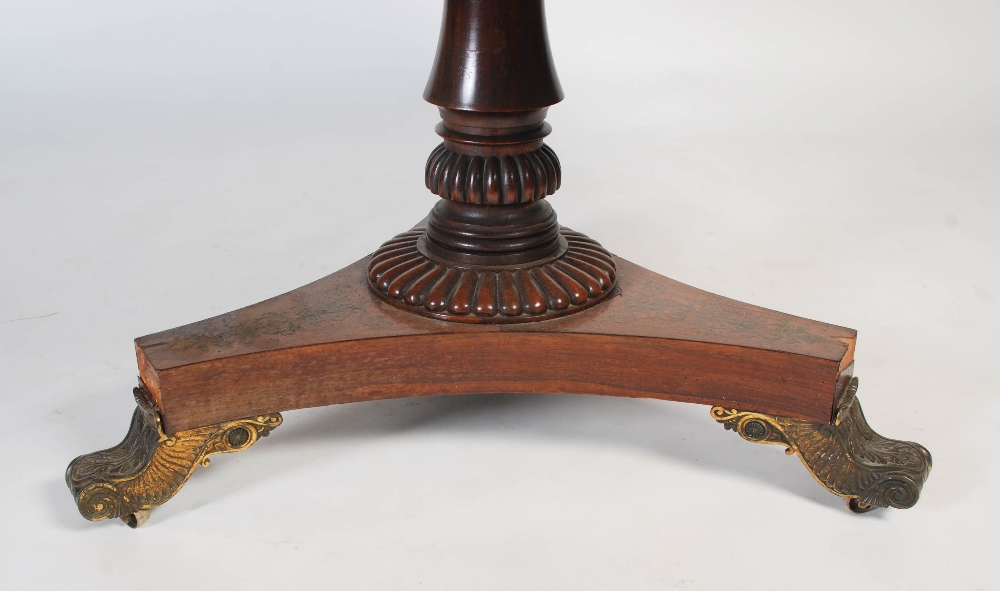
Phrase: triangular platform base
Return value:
(772, 377)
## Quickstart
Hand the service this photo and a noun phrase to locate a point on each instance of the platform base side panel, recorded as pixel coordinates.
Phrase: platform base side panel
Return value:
(485, 363)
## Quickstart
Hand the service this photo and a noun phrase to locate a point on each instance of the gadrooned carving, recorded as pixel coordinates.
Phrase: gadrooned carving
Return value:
(847, 457)
(148, 467)
(493, 180)
(583, 276)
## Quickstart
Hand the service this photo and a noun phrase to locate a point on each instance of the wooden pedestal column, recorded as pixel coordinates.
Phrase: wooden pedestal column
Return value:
(490, 294)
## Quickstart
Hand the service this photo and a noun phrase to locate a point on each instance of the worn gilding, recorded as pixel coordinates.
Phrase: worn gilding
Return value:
(148, 467)
(847, 457)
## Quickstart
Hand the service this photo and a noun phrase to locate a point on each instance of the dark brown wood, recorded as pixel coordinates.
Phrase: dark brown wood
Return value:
(333, 341)
(501, 175)
(489, 294)
(493, 56)
(493, 79)
(483, 236)
(492, 256)
(410, 273)
(492, 250)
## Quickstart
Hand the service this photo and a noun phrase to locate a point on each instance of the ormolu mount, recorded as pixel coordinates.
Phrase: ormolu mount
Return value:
(491, 295)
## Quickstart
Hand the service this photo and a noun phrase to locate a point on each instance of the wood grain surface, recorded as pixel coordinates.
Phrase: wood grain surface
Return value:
(333, 341)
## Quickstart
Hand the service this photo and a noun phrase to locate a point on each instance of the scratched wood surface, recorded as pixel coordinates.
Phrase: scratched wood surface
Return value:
(332, 341)
(335, 341)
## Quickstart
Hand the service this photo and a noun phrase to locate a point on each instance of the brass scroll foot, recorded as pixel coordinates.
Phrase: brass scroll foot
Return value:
(847, 457)
(148, 467)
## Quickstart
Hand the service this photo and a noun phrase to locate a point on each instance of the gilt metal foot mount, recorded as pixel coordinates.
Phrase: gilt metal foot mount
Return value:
(847, 457)
(490, 294)
(148, 467)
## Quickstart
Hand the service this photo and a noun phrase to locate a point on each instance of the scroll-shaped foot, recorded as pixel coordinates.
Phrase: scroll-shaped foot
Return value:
(148, 467)
(847, 457)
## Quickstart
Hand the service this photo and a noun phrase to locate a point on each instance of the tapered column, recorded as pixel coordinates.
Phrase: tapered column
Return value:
(492, 250)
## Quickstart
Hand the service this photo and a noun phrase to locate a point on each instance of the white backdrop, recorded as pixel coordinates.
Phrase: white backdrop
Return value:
(161, 163)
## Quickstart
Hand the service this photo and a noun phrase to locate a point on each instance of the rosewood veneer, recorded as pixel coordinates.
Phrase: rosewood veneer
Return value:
(490, 294)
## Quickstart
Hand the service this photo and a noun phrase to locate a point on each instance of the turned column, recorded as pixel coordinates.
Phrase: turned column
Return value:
(492, 249)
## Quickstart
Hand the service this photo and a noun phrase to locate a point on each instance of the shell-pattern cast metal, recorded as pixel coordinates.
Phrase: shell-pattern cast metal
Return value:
(493, 180)
(148, 467)
(581, 277)
(847, 457)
